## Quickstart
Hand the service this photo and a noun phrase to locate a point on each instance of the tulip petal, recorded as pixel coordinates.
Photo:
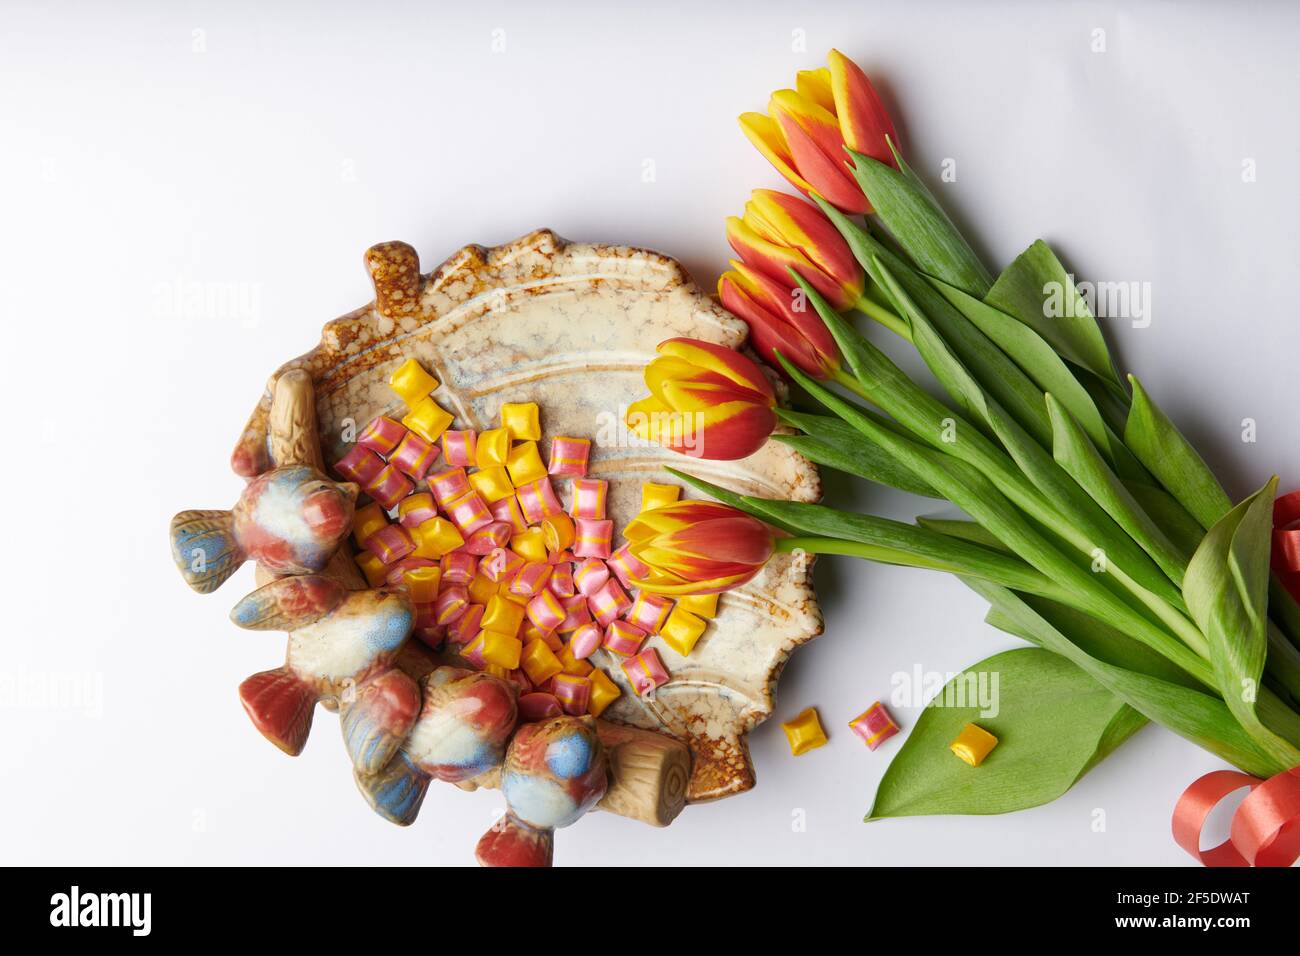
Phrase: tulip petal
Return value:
(863, 119)
(658, 586)
(763, 132)
(739, 539)
(667, 368)
(798, 332)
(830, 178)
(815, 85)
(718, 358)
(790, 221)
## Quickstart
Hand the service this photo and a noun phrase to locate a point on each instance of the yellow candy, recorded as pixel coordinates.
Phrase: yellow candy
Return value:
(539, 662)
(492, 483)
(412, 382)
(558, 532)
(367, 521)
(804, 732)
(423, 583)
(525, 464)
(435, 538)
(534, 633)
(492, 448)
(603, 692)
(530, 545)
(496, 670)
(572, 665)
(427, 419)
(705, 605)
(372, 568)
(503, 589)
(481, 589)
(502, 615)
(973, 744)
(682, 630)
(656, 496)
(503, 650)
(523, 421)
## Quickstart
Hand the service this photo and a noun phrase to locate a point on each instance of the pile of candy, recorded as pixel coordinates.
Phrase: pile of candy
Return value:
(494, 563)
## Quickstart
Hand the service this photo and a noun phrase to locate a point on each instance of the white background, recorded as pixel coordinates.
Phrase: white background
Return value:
(151, 149)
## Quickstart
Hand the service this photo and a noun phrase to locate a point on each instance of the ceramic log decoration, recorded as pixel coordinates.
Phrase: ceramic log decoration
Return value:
(554, 772)
(464, 724)
(342, 646)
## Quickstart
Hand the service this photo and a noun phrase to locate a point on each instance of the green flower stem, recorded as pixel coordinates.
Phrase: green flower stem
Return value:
(873, 310)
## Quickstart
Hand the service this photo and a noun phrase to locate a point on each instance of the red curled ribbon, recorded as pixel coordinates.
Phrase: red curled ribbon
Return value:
(1265, 829)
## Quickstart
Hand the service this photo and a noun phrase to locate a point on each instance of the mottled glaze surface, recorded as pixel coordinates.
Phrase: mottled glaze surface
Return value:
(571, 326)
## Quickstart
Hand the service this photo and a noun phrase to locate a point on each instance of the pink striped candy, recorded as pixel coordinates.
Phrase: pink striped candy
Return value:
(572, 692)
(489, 538)
(589, 496)
(569, 456)
(591, 576)
(594, 538)
(545, 611)
(530, 579)
(645, 671)
(649, 611)
(501, 565)
(609, 603)
(398, 571)
(426, 614)
(381, 435)
(451, 603)
(458, 567)
(507, 509)
(360, 465)
(586, 640)
(538, 706)
(627, 566)
(469, 513)
(624, 638)
(561, 581)
(458, 447)
(576, 613)
(466, 627)
(389, 487)
(415, 510)
(537, 500)
(413, 456)
(390, 543)
(449, 485)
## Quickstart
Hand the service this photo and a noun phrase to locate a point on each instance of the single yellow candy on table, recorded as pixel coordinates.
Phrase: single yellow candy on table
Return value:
(502, 615)
(492, 448)
(523, 419)
(539, 661)
(682, 630)
(492, 483)
(973, 744)
(603, 692)
(504, 650)
(530, 545)
(366, 521)
(374, 570)
(411, 382)
(427, 419)
(423, 583)
(481, 589)
(572, 665)
(525, 463)
(705, 605)
(436, 537)
(559, 532)
(804, 732)
(655, 495)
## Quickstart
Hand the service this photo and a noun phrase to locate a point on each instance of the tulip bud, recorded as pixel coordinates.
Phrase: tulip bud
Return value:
(698, 547)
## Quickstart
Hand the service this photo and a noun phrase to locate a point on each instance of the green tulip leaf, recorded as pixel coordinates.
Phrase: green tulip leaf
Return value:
(1038, 291)
(1053, 723)
(829, 441)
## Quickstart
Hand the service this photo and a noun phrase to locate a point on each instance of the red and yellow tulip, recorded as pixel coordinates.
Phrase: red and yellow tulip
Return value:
(698, 547)
(805, 130)
(778, 322)
(705, 400)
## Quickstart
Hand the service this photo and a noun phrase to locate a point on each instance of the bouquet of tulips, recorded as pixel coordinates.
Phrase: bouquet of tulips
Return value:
(1093, 528)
